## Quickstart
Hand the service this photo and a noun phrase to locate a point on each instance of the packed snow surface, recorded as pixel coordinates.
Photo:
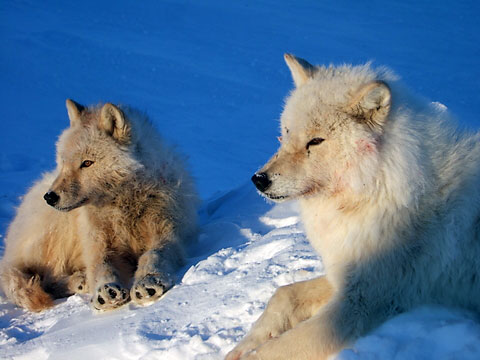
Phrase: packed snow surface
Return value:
(211, 76)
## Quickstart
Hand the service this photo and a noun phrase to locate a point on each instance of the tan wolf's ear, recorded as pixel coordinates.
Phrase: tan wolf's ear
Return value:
(113, 122)
(301, 69)
(74, 110)
(371, 104)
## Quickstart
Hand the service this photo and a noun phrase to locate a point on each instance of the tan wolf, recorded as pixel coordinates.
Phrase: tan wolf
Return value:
(389, 191)
(119, 205)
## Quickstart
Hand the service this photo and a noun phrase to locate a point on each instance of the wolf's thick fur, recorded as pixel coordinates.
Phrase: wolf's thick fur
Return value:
(122, 206)
(389, 192)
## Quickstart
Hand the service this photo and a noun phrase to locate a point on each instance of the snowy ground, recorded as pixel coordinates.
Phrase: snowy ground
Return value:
(246, 250)
(211, 75)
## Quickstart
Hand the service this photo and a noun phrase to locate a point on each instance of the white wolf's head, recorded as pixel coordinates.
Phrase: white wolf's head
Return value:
(93, 157)
(331, 132)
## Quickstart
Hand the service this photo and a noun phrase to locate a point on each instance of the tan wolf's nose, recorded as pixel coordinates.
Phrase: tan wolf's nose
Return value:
(51, 198)
(261, 181)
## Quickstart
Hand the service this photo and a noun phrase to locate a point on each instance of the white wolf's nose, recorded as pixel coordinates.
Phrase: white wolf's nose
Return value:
(261, 181)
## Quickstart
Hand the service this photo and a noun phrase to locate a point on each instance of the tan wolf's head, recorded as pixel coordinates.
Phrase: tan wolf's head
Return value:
(93, 157)
(331, 131)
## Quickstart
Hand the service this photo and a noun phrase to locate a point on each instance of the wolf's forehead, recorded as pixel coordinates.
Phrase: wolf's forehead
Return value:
(75, 141)
(309, 113)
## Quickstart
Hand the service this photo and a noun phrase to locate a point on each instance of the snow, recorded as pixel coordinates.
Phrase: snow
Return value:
(212, 78)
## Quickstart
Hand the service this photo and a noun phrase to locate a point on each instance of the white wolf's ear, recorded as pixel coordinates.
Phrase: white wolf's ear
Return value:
(74, 109)
(113, 122)
(301, 69)
(371, 104)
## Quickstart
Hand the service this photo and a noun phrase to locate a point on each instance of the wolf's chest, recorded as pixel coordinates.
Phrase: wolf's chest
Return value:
(123, 230)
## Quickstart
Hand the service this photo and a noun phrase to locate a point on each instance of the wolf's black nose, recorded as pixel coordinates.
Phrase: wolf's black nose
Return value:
(51, 198)
(261, 181)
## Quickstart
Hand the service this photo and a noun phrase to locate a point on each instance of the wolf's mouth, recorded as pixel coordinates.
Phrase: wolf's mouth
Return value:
(71, 207)
(273, 197)
(277, 197)
(280, 198)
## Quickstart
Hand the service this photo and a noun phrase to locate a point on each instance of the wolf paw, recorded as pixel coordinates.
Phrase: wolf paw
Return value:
(236, 354)
(149, 289)
(233, 355)
(77, 283)
(252, 355)
(109, 296)
(240, 355)
(244, 350)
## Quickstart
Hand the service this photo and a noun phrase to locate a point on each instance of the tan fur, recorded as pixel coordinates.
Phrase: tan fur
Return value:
(27, 290)
(119, 226)
(389, 193)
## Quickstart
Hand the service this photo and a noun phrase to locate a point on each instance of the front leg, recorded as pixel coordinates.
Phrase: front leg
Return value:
(155, 272)
(348, 315)
(101, 278)
(313, 339)
(109, 293)
(289, 306)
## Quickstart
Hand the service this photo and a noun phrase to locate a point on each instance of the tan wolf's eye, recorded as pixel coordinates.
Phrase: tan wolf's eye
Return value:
(86, 164)
(315, 141)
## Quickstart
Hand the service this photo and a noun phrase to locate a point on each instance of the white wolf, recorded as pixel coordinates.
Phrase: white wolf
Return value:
(119, 204)
(389, 192)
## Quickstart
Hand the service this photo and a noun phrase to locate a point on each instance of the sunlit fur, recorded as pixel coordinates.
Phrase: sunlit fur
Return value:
(390, 200)
(120, 224)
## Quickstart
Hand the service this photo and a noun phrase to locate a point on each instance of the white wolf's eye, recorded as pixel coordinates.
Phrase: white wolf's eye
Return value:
(86, 164)
(314, 141)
